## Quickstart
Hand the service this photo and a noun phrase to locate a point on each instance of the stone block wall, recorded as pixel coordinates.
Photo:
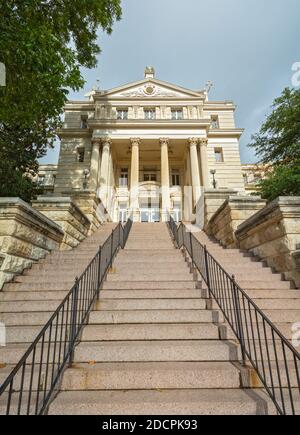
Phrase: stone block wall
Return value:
(234, 211)
(213, 199)
(64, 212)
(273, 234)
(26, 236)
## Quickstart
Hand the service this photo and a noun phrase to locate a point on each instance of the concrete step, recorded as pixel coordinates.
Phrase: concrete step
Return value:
(151, 376)
(150, 294)
(47, 277)
(28, 306)
(30, 318)
(268, 294)
(148, 285)
(32, 286)
(174, 402)
(151, 351)
(153, 316)
(150, 276)
(154, 267)
(21, 334)
(150, 304)
(270, 304)
(33, 296)
(258, 284)
(192, 331)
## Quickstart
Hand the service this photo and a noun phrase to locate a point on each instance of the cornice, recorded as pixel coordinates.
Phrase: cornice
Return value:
(222, 132)
(74, 132)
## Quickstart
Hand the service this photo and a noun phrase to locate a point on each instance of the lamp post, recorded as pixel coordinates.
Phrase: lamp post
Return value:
(213, 173)
(86, 174)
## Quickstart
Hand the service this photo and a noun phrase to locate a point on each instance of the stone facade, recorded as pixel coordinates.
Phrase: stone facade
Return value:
(233, 212)
(148, 136)
(64, 212)
(25, 237)
(273, 234)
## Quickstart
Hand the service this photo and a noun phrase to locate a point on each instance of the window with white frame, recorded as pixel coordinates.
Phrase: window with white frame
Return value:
(122, 114)
(215, 122)
(219, 157)
(123, 182)
(175, 178)
(150, 114)
(177, 114)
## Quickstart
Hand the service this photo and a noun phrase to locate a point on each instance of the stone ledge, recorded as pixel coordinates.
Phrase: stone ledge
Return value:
(262, 215)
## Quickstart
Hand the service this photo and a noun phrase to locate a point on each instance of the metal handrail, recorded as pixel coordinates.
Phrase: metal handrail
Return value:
(34, 381)
(276, 361)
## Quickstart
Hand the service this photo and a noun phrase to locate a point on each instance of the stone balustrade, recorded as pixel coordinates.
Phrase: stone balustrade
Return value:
(26, 236)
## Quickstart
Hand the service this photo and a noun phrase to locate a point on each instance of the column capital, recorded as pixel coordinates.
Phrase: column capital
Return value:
(193, 140)
(164, 141)
(203, 141)
(96, 141)
(106, 141)
(135, 141)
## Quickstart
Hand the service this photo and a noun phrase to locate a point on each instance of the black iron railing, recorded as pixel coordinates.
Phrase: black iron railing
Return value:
(276, 361)
(35, 380)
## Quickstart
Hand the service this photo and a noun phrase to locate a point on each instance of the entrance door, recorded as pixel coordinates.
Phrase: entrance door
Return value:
(150, 215)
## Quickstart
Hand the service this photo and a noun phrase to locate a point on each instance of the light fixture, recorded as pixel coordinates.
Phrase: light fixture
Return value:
(213, 173)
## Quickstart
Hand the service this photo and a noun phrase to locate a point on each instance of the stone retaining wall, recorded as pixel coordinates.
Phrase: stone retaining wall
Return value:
(234, 211)
(26, 236)
(64, 212)
(273, 234)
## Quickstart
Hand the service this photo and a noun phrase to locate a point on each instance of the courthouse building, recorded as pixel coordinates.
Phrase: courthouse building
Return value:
(147, 148)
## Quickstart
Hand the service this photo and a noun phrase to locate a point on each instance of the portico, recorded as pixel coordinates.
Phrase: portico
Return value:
(149, 175)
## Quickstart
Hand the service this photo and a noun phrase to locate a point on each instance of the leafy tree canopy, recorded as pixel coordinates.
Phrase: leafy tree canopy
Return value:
(278, 144)
(43, 45)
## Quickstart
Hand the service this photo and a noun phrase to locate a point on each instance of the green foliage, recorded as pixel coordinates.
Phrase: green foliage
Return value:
(278, 144)
(283, 181)
(43, 45)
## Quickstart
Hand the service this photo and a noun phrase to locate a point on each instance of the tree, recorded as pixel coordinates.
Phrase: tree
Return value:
(278, 144)
(43, 45)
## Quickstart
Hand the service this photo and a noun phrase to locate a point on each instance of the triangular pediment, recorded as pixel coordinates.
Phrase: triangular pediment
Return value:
(152, 88)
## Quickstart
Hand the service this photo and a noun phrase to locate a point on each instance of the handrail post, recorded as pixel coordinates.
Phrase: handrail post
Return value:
(238, 316)
(192, 252)
(207, 271)
(74, 313)
(111, 251)
(99, 269)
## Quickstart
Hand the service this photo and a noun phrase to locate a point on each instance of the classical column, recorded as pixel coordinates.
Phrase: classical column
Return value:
(204, 163)
(134, 178)
(95, 164)
(165, 179)
(196, 183)
(104, 172)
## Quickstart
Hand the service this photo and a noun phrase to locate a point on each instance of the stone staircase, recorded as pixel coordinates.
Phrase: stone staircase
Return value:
(153, 344)
(27, 303)
(278, 299)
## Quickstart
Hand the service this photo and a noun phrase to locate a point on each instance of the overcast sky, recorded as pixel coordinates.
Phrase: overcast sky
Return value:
(246, 47)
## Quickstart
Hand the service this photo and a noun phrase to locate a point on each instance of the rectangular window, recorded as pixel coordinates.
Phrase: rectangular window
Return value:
(215, 122)
(41, 180)
(177, 114)
(150, 177)
(219, 158)
(80, 155)
(122, 114)
(175, 179)
(150, 114)
(123, 178)
(84, 122)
